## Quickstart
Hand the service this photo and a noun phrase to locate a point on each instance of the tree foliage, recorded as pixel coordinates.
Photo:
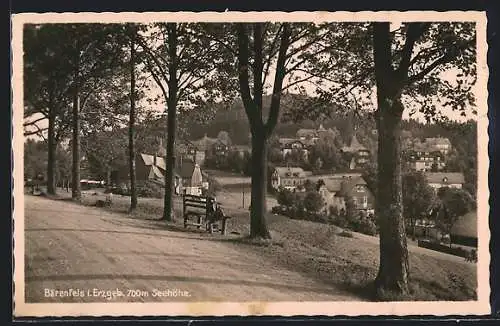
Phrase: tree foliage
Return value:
(454, 204)
(418, 196)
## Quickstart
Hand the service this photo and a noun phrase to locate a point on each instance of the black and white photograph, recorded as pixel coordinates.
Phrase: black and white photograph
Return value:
(265, 163)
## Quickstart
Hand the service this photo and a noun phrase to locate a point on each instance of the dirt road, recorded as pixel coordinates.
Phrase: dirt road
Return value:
(90, 255)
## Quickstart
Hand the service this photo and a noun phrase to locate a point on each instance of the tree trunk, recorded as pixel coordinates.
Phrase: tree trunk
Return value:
(393, 271)
(76, 189)
(394, 267)
(108, 177)
(131, 129)
(258, 225)
(51, 161)
(171, 124)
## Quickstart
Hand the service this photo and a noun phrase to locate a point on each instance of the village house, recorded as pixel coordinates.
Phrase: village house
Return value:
(212, 146)
(424, 159)
(428, 145)
(289, 178)
(337, 189)
(445, 179)
(440, 144)
(322, 132)
(187, 174)
(313, 135)
(147, 167)
(187, 149)
(205, 144)
(288, 146)
(360, 154)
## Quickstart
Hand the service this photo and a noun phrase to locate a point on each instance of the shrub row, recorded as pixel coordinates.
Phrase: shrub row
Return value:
(457, 251)
(362, 225)
(146, 189)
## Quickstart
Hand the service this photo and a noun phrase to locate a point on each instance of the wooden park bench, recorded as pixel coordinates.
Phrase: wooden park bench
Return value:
(205, 211)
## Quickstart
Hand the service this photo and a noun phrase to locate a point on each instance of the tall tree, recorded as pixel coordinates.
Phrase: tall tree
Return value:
(418, 196)
(132, 31)
(182, 62)
(454, 204)
(106, 151)
(400, 71)
(290, 51)
(406, 69)
(92, 53)
(46, 91)
(253, 106)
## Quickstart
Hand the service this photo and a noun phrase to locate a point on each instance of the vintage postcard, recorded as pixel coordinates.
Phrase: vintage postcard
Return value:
(260, 163)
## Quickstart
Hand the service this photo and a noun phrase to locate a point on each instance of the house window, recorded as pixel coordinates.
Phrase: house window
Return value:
(365, 201)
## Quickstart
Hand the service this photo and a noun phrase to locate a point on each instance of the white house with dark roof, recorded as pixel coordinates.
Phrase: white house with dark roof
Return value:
(337, 189)
(291, 145)
(288, 177)
(360, 154)
(445, 179)
(439, 143)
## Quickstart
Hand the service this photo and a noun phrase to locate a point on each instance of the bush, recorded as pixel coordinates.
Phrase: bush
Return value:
(457, 251)
(149, 189)
(313, 202)
(340, 220)
(367, 226)
(286, 198)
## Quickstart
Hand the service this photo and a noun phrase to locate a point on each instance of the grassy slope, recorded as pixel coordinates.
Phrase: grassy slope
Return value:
(319, 251)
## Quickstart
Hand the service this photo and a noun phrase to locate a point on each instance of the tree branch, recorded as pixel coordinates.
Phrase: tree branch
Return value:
(38, 132)
(441, 60)
(257, 68)
(413, 33)
(278, 81)
(150, 55)
(156, 78)
(243, 76)
(34, 122)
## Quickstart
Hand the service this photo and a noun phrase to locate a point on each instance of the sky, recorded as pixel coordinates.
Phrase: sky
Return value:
(309, 88)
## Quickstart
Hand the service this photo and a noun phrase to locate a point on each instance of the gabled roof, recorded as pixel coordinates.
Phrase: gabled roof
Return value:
(315, 178)
(149, 160)
(348, 184)
(333, 185)
(155, 173)
(333, 182)
(445, 177)
(282, 172)
(355, 146)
